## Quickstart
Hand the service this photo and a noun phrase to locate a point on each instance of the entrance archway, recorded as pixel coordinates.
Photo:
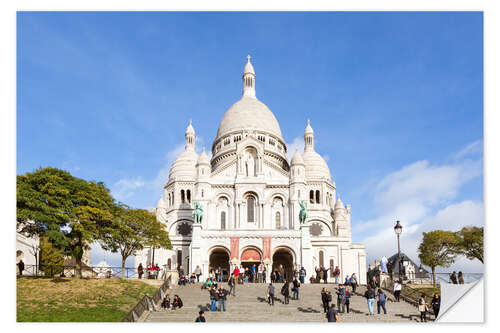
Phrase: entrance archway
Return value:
(249, 257)
(284, 256)
(219, 257)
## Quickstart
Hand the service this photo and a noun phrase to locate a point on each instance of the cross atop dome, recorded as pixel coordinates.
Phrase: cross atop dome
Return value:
(249, 79)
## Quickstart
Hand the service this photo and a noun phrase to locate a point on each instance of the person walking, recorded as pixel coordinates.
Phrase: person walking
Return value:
(336, 274)
(422, 307)
(453, 277)
(197, 271)
(270, 294)
(282, 273)
(436, 304)
(354, 282)
(340, 298)
(213, 298)
(397, 289)
(347, 299)
(326, 298)
(140, 270)
(232, 285)
(460, 278)
(264, 273)
(370, 298)
(332, 315)
(222, 298)
(381, 298)
(295, 289)
(285, 291)
(302, 275)
(201, 317)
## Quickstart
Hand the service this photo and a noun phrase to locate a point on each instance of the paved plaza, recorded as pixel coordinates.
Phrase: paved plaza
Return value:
(250, 305)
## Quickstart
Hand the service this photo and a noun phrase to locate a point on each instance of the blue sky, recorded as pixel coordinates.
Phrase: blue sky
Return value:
(395, 100)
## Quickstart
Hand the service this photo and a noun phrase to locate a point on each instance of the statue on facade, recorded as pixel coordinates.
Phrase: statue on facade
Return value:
(250, 166)
(198, 212)
(303, 212)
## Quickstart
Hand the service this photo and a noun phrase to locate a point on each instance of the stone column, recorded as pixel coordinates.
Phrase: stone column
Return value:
(306, 251)
(195, 256)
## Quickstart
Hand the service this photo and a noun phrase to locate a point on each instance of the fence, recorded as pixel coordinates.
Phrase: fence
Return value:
(147, 303)
(88, 272)
(426, 278)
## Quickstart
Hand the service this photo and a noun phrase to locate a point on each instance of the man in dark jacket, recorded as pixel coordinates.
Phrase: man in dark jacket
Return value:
(285, 291)
(232, 285)
(340, 298)
(325, 299)
(296, 286)
(201, 317)
(325, 270)
(213, 298)
(20, 264)
(332, 314)
(370, 298)
(270, 293)
(140, 270)
(222, 298)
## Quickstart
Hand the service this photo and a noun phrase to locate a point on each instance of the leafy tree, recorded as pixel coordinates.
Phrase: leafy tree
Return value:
(438, 248)
(51, 259)
(131, 230)
(471, 244)
(69, 211)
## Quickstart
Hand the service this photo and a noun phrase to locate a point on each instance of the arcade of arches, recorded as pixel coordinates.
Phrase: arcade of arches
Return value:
(220, 257)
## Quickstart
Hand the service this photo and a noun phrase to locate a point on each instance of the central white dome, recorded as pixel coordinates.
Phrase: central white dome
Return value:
(246, 114)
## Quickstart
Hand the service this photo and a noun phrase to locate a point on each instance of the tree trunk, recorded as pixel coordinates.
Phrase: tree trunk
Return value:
(78, 272)
(433, 276)
(153, 258)
(123, 266)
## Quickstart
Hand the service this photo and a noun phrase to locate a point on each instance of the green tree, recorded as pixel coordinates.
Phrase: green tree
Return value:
(471, 244)
(51, 259)
(438, 248)
(69, 211)
(131, 230)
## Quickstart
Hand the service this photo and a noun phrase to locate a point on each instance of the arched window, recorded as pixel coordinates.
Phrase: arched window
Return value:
(298, 194)
(169, 263)
(317, 196)
(321, 259)
(183, 198)
(311, 196)
(278, 220)
(223, 220)
(251, 209)
(202, 193)
(188, 196)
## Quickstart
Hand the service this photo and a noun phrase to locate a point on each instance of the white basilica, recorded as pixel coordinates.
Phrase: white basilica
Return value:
(250, 196)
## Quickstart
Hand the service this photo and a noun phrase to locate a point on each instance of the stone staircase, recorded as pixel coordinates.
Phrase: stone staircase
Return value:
(250, 305)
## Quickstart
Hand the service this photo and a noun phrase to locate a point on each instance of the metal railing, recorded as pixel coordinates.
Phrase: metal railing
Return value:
(89, 272)
(147, 303)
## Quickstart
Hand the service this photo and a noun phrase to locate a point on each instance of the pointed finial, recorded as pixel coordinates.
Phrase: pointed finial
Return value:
(190, 122)
(308, 122)
(248, 57)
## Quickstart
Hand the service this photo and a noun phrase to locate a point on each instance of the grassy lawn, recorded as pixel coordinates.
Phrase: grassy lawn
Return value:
(78, 300)
(415, 291)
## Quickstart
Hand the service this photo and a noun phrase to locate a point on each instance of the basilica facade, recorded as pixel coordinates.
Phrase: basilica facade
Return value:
(250, 194)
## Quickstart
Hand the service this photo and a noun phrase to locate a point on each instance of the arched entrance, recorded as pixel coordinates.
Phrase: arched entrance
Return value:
(284, 256)
(219, 257)
(249, 257)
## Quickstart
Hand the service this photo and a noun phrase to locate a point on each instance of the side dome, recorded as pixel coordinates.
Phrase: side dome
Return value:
(184, 166)
(297, 158)
(249, 113)
(316, 166)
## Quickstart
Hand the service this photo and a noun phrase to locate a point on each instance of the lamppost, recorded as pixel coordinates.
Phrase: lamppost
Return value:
(398, 229)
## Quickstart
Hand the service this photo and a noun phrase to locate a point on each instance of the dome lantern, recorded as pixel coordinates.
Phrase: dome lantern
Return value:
(190, 136)
(249, 79)
(308, 137)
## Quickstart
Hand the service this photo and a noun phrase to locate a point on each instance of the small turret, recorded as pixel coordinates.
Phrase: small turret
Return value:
(249, 79)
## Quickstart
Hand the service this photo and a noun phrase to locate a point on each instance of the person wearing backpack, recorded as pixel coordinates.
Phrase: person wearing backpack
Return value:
(295, 289)
(326, 298)
(381, 298)
(340, 298)
(370, 298)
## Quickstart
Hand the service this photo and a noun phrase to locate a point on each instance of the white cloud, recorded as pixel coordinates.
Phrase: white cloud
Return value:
(125, 188)
(421, 196)
(475, 147)
(297, 143)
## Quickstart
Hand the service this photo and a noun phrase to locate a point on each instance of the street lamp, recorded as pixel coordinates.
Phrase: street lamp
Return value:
(398, 229)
